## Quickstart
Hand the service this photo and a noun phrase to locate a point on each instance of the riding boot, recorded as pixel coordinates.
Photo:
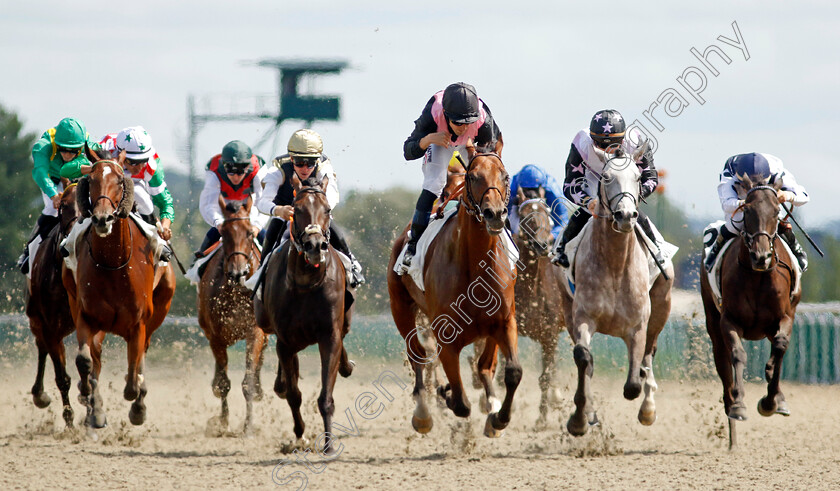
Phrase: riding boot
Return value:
(723, 237)
(418, 224)
(575, 225)
(211, 237)
(41, 229)
(150, 219)
(801, 256)
(644, 222)
(275, 229)
(338, 242)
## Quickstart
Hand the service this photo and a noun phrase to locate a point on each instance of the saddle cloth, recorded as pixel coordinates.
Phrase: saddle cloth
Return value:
(71, 242)
(436, 224)
(667, 250)
(710, 234)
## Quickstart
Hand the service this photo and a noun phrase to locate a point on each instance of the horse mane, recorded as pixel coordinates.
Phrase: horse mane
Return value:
(83, 197)
(233, 206)
(127, 201)
(490, 147)
(311, 182)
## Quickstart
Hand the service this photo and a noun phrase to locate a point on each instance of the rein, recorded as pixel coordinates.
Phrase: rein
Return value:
(473, 207)
(615, 199)
(297, 237)
(749, 238)
(250, 241)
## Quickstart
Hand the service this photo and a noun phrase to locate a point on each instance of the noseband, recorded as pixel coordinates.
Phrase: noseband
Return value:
(312, 228)
(473, 206)
(250, 235)
(540, 202)
(749, 238)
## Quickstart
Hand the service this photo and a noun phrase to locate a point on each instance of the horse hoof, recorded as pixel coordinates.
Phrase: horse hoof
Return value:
(632, 390)
(131, 393)
(738, 413)
(83, 400)
(763, 408)
(647, 418)
(489, 405)
(422, 425)
(346, 370)
(490, 430)
(575, 427)
(41, 400)
(97, 420)
(137, 414)
(782, 408)
(67, 414)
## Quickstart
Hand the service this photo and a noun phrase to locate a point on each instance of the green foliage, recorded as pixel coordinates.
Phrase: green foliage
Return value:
(20, 205)
(674, 226)
(372, 221)
(821, 282)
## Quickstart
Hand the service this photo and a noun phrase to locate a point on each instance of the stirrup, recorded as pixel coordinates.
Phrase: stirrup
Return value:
(560, 258)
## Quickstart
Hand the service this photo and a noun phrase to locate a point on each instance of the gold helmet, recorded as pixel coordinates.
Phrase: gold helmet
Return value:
(305, 143)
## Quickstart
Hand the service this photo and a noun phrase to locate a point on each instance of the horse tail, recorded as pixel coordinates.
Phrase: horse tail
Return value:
(83, 197)
(127, 201)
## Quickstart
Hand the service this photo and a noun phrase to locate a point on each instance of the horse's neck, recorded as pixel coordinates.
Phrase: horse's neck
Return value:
(616, 249)
(301, 274)
(117, 244)
(474, 241)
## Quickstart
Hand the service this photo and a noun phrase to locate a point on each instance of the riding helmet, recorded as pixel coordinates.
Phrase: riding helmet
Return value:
(460, 103)
(237, 153)
(136, 142)
(531, 176)
(70, 133)
(607, 127)
(305, 143)
(751, 164)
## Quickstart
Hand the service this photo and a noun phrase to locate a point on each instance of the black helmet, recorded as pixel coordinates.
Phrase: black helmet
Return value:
(460, 104)
(607, 127)
(236, 154)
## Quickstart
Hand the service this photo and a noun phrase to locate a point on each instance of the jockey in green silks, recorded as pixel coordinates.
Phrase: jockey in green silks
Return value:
(60, 152)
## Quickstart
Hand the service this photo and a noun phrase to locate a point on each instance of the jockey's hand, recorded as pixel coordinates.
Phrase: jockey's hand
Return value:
(255, 230)
(592, 205)
(56, 200)
(165, 230)
(285, 212)
(785, 196)
(441, 138)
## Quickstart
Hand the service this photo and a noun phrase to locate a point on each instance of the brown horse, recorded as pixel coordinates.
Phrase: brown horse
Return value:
(466, 259)
(47, 307)
(305, 302)
(117, 288)
(756, 283)
(613, 294)
(225, 308)
(538, 291)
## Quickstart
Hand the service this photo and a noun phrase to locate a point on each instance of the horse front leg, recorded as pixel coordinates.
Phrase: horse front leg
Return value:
(330, 351)
(62, 379)
(498, 421)
(486, 368)
(134, 385)
(96, 418)
(584, 415)
(137, 412)
(251, 389)
(635, 352)
(39, 397)
(774, 402)
(220, 383)
(421, 420)
(453, 393)
(548, 394)
(290, 372)
(737, 410)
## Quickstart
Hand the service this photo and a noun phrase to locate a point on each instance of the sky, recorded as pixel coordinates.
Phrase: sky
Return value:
(543, 67)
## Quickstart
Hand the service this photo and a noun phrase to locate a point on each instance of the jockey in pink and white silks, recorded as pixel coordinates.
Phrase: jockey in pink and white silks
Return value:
(606, 129)
(732, 197)
(450, 119)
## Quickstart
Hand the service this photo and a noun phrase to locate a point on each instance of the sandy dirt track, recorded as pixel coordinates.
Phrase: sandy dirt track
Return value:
(684, 449)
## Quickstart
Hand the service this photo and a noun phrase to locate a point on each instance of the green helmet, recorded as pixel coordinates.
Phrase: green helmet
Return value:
(237, 152)
(70, 133)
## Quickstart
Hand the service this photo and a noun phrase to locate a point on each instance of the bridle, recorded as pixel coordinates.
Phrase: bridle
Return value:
(612, 201)
(473, 206)
(539, 202)
(249, 255)
(312, 228)
(749, 238)
(114, 213)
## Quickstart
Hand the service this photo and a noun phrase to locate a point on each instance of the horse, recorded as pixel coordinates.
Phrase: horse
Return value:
(757, 280)
(225, 308)
(611, 291)
(305, 301)
(117, 287)
(539, 301)
(462, 261)
(48, 309)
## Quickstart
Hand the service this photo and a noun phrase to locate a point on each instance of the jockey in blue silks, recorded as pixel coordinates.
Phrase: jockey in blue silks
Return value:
(533, 177)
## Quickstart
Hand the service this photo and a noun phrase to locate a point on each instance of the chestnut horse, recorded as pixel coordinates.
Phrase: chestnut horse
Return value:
(538, 291)
(47, 307)
(466, 258)
(117, 288)
(757, 280)
(225, 308)
(305, 302)
(612, 294)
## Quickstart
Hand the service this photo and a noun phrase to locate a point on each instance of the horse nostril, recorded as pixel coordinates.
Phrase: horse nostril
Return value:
(109, 218)
(488, 214)
(307, 246)
(324, 246)
(618, 215)
(634, 214)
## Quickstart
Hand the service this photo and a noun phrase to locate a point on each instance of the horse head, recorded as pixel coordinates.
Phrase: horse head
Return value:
(237, 239)
(620, 187)
(487, 188)
(534, 220)
(113, 195)
(310, 225)
(761, 220)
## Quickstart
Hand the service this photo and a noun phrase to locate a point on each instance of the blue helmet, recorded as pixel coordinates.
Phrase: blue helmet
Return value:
(531, 176)
(751, 164)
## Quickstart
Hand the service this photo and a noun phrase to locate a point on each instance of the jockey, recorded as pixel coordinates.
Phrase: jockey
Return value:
(606, 128)
(60, 152)
(305, 159)
(451, 118)
(533, 177)
(142, 163)
(235, 174)
(732, 198)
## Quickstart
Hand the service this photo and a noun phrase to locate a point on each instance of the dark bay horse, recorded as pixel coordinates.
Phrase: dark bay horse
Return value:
(48, 309)
(757, 280)
(611, 292)
(466, 259)
(117, 288)
(225, 308)
(538, 291)
(305, 302)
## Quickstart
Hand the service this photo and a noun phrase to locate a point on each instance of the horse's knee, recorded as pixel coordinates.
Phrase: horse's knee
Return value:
(739, 356)
(583, 357)
(84, 363)
(513, 375)
(326, 405)
(780, 344)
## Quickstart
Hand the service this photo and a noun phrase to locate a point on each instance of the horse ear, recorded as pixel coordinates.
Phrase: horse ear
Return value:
(745, 181)
(248, 203)
(121, 158)
(83, 197)
(91, 154)
(295, 182)
(520, 195)
(498, 146)
(127, 201)
(777, 185)
(471, 149)
(222, 203)
(325, 181)
(542, 192)
(640, 152)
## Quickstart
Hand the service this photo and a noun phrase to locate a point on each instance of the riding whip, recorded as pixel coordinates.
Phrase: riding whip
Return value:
(790, 214)
(172, 250)
(650, 251)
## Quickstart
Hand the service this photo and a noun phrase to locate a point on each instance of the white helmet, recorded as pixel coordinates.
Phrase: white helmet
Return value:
(136, 142)
(305, 143)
